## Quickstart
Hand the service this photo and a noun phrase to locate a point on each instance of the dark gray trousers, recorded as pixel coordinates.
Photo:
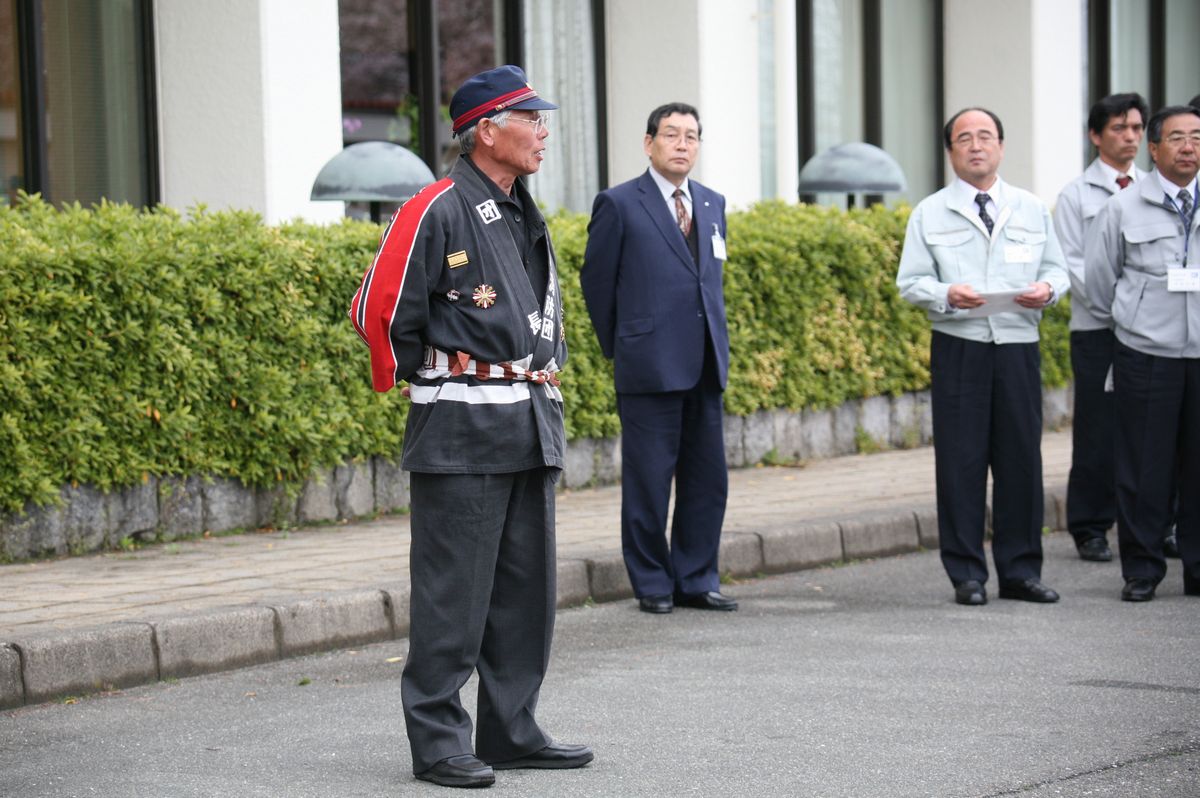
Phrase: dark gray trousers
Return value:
(483, 596)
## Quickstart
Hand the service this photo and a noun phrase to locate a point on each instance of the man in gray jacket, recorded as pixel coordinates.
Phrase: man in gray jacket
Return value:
(1115, 126)
(977, 246)
(1143, 273)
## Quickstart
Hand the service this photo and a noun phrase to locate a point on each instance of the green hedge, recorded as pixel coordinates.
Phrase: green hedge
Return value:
(142, 343)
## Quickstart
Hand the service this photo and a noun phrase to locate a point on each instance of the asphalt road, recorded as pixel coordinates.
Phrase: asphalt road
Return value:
(864, 680)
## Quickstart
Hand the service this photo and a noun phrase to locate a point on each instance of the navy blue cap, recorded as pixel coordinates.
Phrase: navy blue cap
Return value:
(488, 93)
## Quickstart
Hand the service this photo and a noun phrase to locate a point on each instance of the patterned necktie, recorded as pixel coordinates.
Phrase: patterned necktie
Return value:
(681, 215)
(1185, 203)
(981, 199)
(1123, 181)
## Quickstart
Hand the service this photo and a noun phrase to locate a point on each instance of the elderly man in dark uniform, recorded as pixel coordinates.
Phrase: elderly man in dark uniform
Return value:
(463, 302)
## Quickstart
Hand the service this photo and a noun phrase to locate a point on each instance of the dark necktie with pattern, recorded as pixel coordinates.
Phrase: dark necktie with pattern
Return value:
(681, 215)
(981, 199)
(1123, 181)
(1185, 204)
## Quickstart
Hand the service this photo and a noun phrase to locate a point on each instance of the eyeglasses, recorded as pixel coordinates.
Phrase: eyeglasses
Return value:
(540, 122)
(985, 139)
(673, 136)
(1177, 139)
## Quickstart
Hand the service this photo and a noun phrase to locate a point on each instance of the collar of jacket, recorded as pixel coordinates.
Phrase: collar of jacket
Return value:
(466, 174)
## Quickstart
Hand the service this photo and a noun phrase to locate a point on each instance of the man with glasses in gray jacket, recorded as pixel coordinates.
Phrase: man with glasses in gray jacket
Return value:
(1143, 273)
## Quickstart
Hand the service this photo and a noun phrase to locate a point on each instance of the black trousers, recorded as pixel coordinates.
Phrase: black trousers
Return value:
(483, 598)
(1091, 493)
(1158, 441)
(987, 413)
(673, 435)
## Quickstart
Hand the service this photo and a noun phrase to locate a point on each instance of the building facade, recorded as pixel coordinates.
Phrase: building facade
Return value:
(238, 103)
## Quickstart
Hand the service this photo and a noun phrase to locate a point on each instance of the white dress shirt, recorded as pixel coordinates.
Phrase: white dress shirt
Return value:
(668, 190)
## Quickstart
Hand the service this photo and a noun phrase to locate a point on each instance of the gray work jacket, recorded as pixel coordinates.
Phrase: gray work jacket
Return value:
(946, 243)
(1077, 207)
(1135, 237)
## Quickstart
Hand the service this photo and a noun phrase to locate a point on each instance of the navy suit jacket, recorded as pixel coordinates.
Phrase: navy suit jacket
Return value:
(651, 305)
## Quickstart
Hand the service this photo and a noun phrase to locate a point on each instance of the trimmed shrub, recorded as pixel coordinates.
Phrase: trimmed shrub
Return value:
(137, 343)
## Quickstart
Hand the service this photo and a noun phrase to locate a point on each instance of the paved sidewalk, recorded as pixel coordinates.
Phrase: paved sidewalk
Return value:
(78, 624)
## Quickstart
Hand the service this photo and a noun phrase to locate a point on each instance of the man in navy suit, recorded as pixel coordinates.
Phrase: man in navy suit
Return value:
(652, 281)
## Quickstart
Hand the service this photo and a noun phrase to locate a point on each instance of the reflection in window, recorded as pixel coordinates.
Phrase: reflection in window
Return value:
(910, 94)
(10, 101)
(96, 135)
(1183, 53)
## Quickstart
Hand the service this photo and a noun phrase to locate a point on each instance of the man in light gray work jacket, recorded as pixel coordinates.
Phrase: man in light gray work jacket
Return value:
(1115, 126)
(982, 258)
(1143, 273)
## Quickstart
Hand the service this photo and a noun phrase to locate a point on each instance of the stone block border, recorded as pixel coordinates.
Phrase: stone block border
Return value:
(88, 520)
(48, 667)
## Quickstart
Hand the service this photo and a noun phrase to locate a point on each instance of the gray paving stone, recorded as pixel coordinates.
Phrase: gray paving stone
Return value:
(906, 422)
(85, 519)
(180, 507)
(608, 460)
(875, 420)
(35, 532)
(801, 546)
(318, 499)
(86, 661)
(879, 534)
(396, 603)
(927, 528)
(133, 512)
(1056, 507)
(274, 508)
(817, 433)
(228, 505)
(580, 459)
(758, 436)
(1056, 408)
(12, 689)
(789, 435)
(572, 583)
(735, 451)
(925, 408)
(215, 641)
(740, 554)
(845, 428)
(354, 489)
(334, 621)
(391, 486)
(607, 578)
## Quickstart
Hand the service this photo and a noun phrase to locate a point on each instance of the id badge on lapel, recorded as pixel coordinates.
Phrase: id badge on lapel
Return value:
(718, 243)
(1180, 279)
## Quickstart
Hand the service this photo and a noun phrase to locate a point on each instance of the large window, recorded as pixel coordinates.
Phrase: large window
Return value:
(870, 71)
(75, 102)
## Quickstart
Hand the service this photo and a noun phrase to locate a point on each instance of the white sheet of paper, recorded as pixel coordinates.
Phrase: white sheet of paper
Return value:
(997, 302)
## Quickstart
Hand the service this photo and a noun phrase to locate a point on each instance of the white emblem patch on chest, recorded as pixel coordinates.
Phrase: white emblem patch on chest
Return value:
(488, 211)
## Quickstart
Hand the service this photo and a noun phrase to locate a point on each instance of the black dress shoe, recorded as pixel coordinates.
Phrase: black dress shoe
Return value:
(712, 600)
(659, 605)
(1095, 550)
(554, 756)
(1171, 547)
(463, 770)
(1027, 590)
(970, 593)
(1138, 590)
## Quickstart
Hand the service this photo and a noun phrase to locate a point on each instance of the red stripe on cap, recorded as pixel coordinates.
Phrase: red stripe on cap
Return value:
(498, 104)
(373, 308)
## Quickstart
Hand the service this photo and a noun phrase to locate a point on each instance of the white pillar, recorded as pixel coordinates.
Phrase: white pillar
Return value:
(1023, 60)
(249, 102)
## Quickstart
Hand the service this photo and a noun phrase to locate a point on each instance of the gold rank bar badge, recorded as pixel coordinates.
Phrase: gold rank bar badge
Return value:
(456, 259)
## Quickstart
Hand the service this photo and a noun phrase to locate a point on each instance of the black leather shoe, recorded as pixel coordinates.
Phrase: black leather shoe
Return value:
(1028, 590)
(971, 593)
(463, 770)
(711, 600)
(1138, 590)
(659, 605)
(1095, 550)
(555, 756)
(1171, 547)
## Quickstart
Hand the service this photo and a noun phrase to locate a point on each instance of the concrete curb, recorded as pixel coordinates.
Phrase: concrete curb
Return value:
(122, 655)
